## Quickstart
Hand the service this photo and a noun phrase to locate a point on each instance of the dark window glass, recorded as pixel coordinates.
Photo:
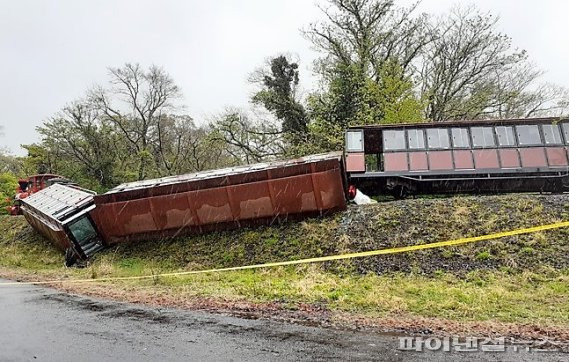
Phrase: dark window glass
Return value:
(528, 135)
(505, 136)
(416, 138)
(438, 138)
(393, 140)
(551, 134)
(566, 132)
(83, 230)
(482, 137)
(460, 138)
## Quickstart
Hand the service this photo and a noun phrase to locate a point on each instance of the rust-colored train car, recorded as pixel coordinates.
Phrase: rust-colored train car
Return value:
(61, 214)
(510, 155)
(221, 199)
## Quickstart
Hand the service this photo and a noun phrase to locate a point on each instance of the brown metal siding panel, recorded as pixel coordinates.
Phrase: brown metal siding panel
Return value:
(533, 157)
(418, 161)
(293, 195)
(278, 194)
(172, 211)
(509, 158)
(440, 160)
(463, 160)
(134, 216)
(58, 237)
(396, 161)
(486, 159)
(252, 200)
(104, 216)
(327, 184)
(211, 205)
(556, 156)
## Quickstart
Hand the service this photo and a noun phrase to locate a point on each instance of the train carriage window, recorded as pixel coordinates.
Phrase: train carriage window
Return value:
(505, 136)
(355, 141)
(438, 138)
(483, 137)
(551, 134)
(83, 230)
(528, 135)
(393, 140)
(460, 138)
(416, 139)
(566, 132)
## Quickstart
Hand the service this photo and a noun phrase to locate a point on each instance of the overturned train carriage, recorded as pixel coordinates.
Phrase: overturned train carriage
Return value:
(513, 155)
(188, 204)
(221, 199)
(61, 214)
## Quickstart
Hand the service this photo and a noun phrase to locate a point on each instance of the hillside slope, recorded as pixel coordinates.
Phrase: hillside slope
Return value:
(515, 286)
(360, 228)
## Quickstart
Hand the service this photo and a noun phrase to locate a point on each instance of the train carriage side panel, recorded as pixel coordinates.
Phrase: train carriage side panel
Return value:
(222, 199)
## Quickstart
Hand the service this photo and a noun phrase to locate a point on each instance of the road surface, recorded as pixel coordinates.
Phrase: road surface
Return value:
(41, 324)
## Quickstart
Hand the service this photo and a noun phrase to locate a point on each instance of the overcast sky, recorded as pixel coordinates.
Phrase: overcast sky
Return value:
(51, 52)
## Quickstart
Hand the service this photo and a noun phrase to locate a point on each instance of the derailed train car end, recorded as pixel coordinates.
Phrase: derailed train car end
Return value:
(259, 194)
(61, 214)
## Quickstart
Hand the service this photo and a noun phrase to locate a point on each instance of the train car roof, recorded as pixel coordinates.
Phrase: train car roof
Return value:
(44, 175)
(464, 123)
(229, 171)
(58, 201)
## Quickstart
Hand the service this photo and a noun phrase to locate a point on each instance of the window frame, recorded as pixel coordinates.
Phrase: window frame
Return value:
(559, 130)
(361, 132)
(408, 140)
(541, 140)
(399, 149)
(453, 146)
(565, 131)
(494, 140)
(438, 129)
(84, 218)
(514, 137)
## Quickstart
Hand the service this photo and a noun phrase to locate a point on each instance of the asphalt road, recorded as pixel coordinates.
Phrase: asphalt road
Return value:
(40, 324)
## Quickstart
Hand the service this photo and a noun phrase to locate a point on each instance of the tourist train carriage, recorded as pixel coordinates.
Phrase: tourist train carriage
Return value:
(459, 156)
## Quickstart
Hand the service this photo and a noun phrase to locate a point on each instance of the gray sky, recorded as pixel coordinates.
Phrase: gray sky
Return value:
(51, 52)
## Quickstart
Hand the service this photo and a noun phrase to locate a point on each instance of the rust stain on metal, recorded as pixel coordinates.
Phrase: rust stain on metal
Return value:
(221, 199)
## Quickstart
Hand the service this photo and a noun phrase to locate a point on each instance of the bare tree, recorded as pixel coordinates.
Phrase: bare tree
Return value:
(143, 96)
(463, 64)
(368, 33)
(182, 147)
(248, 141)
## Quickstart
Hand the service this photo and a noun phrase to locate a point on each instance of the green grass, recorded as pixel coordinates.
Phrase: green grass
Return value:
(529, 297)
(522, 279)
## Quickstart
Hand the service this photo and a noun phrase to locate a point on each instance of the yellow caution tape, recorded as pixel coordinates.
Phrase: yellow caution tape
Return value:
(362, 254)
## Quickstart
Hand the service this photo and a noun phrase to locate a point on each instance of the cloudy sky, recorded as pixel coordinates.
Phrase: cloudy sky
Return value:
(51, 52)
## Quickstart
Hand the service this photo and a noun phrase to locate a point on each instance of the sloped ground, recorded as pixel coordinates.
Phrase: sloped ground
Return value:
(515, 286)
(386, 225)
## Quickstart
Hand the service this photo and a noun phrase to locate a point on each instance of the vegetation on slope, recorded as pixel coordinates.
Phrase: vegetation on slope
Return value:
(516, 279)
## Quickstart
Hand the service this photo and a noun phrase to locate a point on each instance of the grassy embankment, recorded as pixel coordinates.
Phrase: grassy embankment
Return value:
(522, 279)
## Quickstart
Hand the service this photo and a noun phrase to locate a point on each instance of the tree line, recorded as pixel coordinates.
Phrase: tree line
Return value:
(379, 63)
